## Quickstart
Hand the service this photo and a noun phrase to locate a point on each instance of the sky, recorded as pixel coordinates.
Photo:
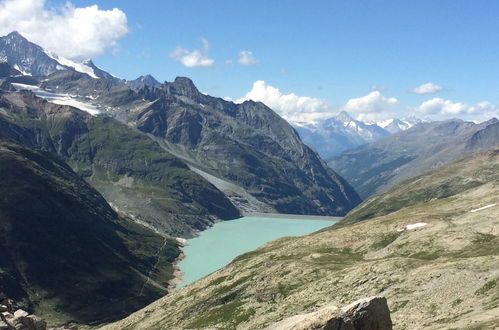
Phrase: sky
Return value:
(307, 60)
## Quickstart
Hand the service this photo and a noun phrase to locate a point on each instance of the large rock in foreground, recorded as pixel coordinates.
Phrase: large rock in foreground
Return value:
(364, 314)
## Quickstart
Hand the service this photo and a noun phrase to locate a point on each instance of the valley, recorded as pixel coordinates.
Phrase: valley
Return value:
(140, 204)
(442, 274)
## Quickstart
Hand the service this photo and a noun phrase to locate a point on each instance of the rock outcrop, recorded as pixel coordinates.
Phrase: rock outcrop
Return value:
(17, 319)
(21, 320)
(365, 314)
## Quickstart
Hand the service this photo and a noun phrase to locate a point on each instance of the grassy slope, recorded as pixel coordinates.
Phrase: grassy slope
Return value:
(125, 165)
(442, 182)
(443, 275)
(66, 254)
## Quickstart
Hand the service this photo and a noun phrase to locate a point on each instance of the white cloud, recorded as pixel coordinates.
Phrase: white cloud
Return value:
(194, 58)
(291, 107)
(373, 106)
(68, 31)
(446, 108)
(427, 88)
(246, 58)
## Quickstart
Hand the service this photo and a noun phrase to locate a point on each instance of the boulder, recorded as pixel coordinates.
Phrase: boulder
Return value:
(365, 314)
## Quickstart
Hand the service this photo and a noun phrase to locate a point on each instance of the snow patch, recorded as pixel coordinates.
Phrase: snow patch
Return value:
(384, 123)
(80, 67)
(483, 208)
(24, 73)
(61, 99)
(413, 226)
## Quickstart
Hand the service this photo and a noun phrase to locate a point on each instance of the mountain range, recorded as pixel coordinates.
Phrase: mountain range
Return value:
(332, 136)
(246, 150)
(378, 166)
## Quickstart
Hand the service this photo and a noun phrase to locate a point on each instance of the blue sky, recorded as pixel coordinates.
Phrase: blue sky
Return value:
(330, 52)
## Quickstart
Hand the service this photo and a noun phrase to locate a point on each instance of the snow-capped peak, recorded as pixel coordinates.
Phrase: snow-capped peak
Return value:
(394, 125)
(83, 67)
(384, 123)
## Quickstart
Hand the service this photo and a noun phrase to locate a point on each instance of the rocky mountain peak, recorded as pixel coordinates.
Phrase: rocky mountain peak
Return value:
(183, 86)
(491, 121)
(146, 80)
(89, 62)
(344, 116)
(14, 35)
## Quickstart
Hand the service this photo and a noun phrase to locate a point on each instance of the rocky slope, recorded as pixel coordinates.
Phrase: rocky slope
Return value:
(142, 81)
(130, 170)
(378, 166)
(247, 150)
(64, 253)
(436, 262)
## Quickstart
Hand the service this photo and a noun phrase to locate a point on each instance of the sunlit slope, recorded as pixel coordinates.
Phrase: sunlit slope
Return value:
(443, 274)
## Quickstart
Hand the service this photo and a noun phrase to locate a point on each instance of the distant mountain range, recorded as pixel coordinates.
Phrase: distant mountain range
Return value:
(332, 136)
(378, 166)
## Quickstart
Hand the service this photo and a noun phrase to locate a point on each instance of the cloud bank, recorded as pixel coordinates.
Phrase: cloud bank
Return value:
(447, 108)
(374, 106)
(68, 31)
(291, 107)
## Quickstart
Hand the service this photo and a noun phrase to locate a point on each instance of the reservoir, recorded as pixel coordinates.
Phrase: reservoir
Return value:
(219, 245)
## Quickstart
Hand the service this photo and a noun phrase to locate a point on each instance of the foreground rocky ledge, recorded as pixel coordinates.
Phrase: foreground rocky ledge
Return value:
(19, 319)
(364, 314)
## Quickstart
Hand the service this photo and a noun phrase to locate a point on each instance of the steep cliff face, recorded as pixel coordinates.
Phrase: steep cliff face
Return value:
(131, 171)
(64, 252)
(247, 144)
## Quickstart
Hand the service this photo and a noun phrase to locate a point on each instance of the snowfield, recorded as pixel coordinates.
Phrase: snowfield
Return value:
(62, 99)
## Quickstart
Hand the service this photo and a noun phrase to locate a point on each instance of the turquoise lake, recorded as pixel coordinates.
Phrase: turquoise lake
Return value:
(219, 245)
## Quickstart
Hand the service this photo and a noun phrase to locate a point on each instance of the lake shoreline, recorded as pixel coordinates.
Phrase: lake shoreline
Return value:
(218, 245)
(178, 274)
(291, 216)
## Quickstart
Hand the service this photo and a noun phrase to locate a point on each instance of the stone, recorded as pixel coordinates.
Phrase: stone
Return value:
(370, 313)
(32, 322)
(364, 314)
(20, 313)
